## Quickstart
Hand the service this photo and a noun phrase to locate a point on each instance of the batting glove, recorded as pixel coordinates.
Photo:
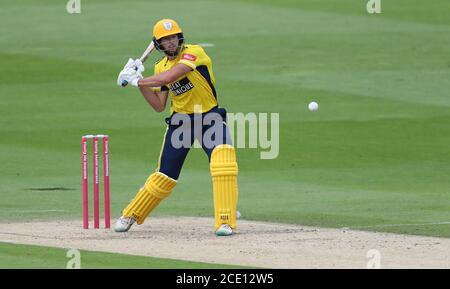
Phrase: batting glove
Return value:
(134, 81)
(129, 64)
(139, 66)
(128, 75)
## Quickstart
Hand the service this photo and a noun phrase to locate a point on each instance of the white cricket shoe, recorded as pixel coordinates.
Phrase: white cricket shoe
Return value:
(224, 230)
(124, 224)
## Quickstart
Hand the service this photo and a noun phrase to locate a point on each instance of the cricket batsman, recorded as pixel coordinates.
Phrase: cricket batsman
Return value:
(185, 74)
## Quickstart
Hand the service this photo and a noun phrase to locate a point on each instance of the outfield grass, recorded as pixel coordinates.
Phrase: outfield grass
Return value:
(376, 152)
(16, 256)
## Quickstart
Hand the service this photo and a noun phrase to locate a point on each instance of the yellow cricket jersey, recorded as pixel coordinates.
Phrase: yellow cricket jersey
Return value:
(194, 88)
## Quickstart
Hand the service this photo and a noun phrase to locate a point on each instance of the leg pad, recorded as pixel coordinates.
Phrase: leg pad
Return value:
(157, 187)
(224, 171)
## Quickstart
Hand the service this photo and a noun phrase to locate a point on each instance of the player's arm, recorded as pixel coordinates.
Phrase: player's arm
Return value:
(156, 99)
(166, 77)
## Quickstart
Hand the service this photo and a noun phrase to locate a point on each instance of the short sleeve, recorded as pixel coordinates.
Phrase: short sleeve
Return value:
(193, 57)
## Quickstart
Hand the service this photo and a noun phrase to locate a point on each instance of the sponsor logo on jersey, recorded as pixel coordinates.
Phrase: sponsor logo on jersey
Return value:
(189, 57)
(181, 86)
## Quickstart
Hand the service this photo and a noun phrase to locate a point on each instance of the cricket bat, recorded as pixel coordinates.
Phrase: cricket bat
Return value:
(143, 57)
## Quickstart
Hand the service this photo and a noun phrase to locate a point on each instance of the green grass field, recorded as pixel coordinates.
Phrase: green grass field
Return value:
(374, 157)
(28, 257)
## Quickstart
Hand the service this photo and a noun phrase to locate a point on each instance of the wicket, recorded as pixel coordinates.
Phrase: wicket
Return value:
(84, 180)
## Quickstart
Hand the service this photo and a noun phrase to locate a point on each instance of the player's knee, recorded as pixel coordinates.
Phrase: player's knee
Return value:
(159, 185)
(223, 161)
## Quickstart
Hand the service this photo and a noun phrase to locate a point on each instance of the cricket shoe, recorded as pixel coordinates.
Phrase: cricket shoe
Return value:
(224, 230)
(124, 224)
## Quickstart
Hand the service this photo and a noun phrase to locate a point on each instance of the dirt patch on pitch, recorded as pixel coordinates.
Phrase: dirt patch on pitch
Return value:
(258, 244)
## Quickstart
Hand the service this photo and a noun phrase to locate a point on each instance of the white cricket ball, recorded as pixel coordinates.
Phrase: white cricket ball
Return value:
(313, 106)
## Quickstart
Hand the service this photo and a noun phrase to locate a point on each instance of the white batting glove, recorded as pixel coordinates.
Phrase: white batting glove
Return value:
(129, 64)
(136, 64)
(139, 66)
(128, 75)
(135, 81)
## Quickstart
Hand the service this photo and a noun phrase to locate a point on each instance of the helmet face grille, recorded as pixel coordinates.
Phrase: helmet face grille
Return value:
(160, 48)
